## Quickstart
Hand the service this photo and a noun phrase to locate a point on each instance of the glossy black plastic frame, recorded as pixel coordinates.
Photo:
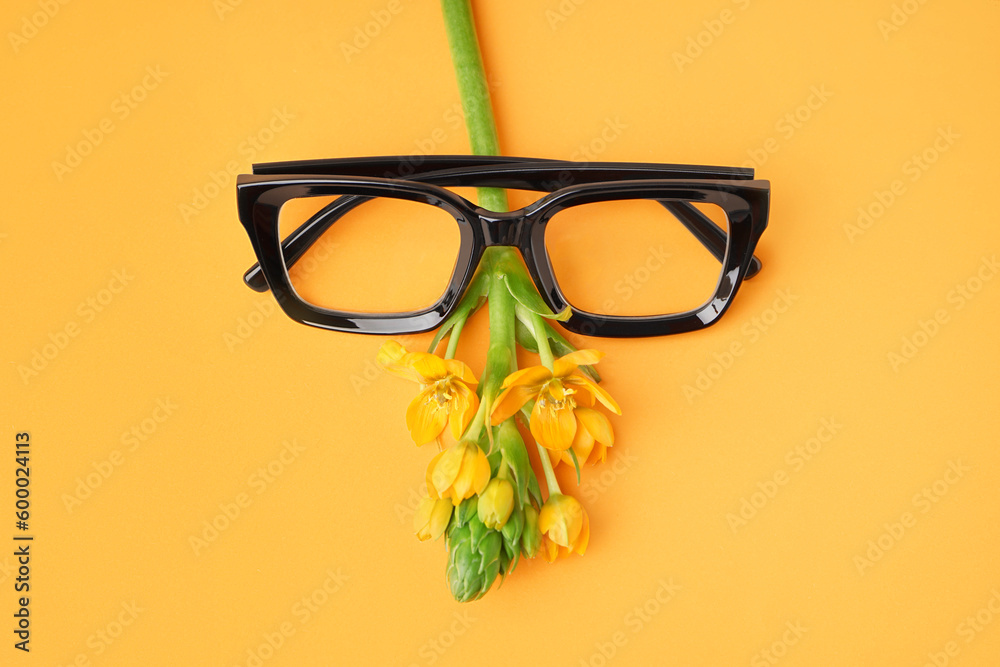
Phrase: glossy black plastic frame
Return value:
(423, 179)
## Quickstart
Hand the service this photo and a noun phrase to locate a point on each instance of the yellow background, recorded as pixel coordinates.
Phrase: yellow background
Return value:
(239, 379)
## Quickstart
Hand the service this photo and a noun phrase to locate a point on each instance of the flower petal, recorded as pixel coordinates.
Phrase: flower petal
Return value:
(556, 457)
(423, 515)
(392, 358)
(583, 444)
(482, 476)
(439, 518)
(583, 399)
(425, 417)
(463, 408)
(552, 428)
(432, 490)
(528, 376)
(447, 471)
(510, 401)
(597, 424)
(550, 550)
(568, 363)
(576, 517)
(429, 366)
(595, 389)
(552, 524)
(466, 478)
(460, 370)
(390, 353)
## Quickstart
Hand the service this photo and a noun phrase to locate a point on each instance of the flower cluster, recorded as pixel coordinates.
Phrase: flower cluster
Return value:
(483, 493)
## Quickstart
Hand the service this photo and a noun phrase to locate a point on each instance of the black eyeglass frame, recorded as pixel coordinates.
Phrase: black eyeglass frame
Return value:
(423, 179)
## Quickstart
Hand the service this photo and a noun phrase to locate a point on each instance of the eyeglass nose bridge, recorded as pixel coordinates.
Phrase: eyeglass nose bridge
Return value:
(503, 229)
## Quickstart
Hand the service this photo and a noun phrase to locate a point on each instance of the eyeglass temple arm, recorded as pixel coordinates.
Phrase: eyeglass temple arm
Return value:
(707, 232)
(303, 237)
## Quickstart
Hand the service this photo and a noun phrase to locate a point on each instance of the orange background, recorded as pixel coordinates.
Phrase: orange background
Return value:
(830, 101)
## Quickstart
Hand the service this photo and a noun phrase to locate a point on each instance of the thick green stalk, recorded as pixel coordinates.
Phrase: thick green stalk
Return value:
(542, 340)
(501, 357)
(474, 91)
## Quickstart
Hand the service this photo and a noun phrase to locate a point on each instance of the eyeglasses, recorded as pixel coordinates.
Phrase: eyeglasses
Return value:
(380, 245)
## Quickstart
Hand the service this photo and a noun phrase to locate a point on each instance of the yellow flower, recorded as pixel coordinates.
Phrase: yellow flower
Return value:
(432, 518)
(495, 503)
(459, 472)
(593, 437)
(557, 394)
(565, 527)
(445, 398)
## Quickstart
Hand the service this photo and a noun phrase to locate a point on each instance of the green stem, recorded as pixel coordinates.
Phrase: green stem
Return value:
(542, 339)
(474, 91)
(501, 357)
(476, 425)
(453, 336)
(550, 474)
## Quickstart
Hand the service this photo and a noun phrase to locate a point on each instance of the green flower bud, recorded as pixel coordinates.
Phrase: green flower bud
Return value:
(473, 554)
(531, 536)
(514, 527)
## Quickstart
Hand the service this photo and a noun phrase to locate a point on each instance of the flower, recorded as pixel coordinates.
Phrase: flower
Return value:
(556, 393)
(565, 527)
(593, 437)
(495, 503)
(431, 518)
(445, 398)
(459, 472)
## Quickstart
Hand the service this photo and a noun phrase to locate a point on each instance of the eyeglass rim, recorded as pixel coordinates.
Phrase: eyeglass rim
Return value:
(455, 170)
(746, 203)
